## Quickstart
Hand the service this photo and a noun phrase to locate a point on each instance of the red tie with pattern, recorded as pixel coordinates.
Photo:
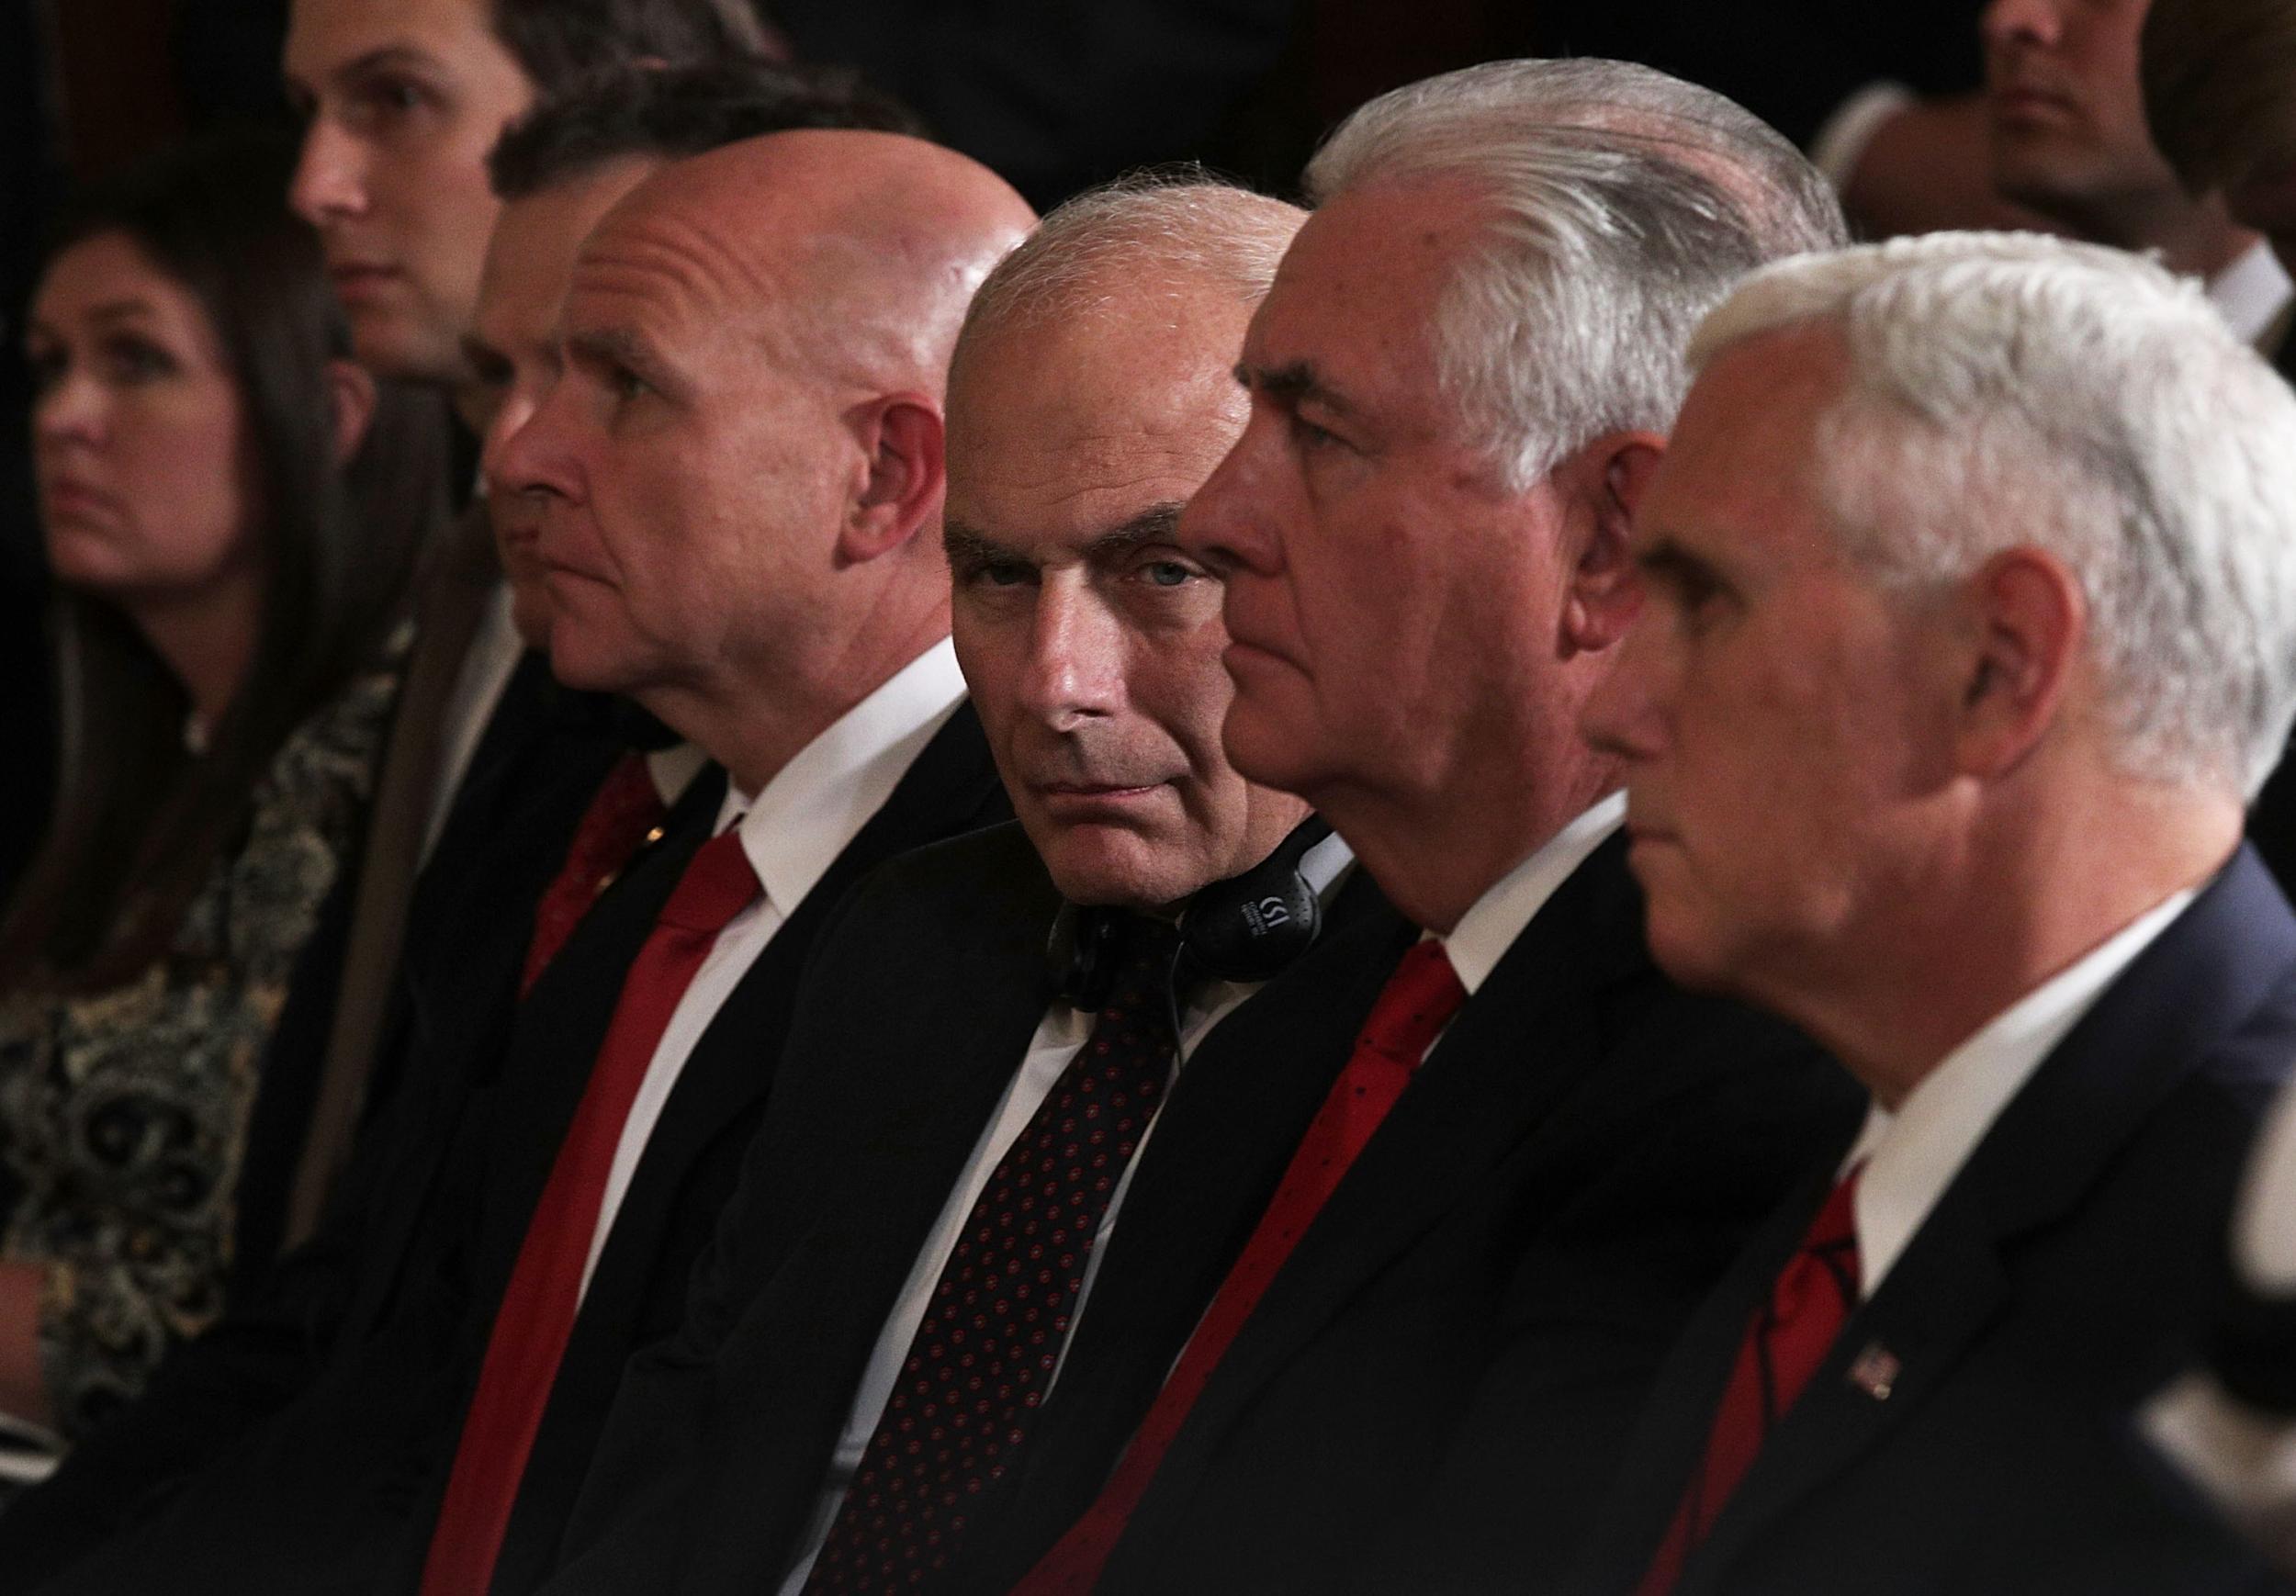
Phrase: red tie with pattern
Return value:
(1410, 1012)
(545, 1291)
(625, 813)
(985, 1353)
(1786, 1340)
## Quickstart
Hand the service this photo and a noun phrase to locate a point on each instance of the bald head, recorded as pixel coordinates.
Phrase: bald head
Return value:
(879, 238)
(741, 473)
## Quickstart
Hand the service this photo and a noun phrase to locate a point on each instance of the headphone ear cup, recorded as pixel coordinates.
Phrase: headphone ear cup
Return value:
(1250, 928)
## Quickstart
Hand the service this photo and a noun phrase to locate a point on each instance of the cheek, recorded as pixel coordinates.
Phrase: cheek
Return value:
(191, 474)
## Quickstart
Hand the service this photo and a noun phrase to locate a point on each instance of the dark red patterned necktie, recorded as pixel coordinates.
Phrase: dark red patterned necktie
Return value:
(625, 814)
(545, 1292)
(1411, 1011)
(982, 1358)
(1789, 1336)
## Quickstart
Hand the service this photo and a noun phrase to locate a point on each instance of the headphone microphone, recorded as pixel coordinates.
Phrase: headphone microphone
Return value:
(1246, 929)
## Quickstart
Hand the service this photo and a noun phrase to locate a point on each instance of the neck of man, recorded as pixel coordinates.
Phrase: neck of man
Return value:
(2195, 237)
(754, 722)
(1998, 914)
(1438, 844)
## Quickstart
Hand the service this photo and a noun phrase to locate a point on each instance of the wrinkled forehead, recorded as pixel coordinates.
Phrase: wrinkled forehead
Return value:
(1069, 421)
(1361, 292)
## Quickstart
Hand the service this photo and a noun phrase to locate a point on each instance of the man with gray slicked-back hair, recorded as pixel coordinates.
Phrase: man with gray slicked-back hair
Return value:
(1971, 623)
(975, 1218)
(1539, 1154)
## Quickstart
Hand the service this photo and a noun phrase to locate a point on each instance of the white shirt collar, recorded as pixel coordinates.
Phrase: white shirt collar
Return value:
(673, 770)
(1911, 1156)
(1490, 927)
(2251, 293)
(815, 804)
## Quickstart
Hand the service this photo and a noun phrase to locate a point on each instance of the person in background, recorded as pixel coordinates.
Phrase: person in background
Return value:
(1972, 619)
(2065, 117)
(232, 510)
(2220, 92)
(545, 820)
(2220, 95)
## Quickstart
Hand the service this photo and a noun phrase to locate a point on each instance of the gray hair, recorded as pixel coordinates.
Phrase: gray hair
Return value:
(2007, 389)
(1152, 233)
(1624, 204)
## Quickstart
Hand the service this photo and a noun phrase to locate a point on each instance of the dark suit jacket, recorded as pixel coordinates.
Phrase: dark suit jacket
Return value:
(1476, 1312)
(2067, 1271)
(340, 1490)
(540, 758)
(918, 1010)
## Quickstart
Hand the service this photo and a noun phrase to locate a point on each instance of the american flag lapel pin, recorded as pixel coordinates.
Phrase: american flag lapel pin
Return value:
(1874, 1371)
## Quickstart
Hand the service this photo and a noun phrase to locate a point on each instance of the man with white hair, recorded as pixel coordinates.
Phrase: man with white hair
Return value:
(1540, 1153)
(1972, 621)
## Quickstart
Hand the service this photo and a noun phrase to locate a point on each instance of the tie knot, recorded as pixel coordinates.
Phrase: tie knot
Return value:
(718, 883)
(1143, 964)
(1835, 1225)
(1416, 1003)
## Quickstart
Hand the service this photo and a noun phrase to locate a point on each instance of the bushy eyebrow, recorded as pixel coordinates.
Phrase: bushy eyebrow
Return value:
(1664, 560)
(1157, 523)
(1293, 383)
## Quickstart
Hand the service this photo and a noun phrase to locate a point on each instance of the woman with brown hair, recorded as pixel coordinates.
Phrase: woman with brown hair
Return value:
(233, 511)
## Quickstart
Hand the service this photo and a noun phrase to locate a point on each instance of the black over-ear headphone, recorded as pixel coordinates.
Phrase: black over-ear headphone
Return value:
(1247, 927)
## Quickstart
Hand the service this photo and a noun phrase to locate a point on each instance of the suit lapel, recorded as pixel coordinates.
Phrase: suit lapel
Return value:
(2172, 1007)
(952, 787)
(1515, 1050)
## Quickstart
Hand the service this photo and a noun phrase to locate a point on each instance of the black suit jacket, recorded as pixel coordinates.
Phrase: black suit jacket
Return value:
(540, 758)
(1476, 1312)
(340, 1490)
(921, 1006)
(2065, 1271)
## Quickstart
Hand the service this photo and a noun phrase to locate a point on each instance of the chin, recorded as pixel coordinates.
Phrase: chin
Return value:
(1101, 865)
(391, 345)
(1264, 747)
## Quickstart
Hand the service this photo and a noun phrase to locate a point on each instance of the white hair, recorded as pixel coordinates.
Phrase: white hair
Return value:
(1150, 233)
(1622, 204)
(2007, 389)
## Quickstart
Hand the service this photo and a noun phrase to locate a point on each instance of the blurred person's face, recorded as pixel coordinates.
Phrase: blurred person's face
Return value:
(2066, 109)
(513, 354)
(1385, 587)
(1090, 640)
(690, 469)
(1783, 722)
(404, 99)
(139, 441)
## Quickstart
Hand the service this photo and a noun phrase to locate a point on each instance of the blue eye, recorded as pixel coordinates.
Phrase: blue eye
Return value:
(1168, 573)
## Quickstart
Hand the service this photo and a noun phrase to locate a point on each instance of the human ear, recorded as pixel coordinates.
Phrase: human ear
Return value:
(901, 438)
(2029, 619)
(1610, 478)
(351, 396)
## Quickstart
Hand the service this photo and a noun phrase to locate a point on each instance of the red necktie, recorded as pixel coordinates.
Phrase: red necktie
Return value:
(625, 813)
(1786, 1340)
(545, 1291)
(983, 1355)
(1411, 1011)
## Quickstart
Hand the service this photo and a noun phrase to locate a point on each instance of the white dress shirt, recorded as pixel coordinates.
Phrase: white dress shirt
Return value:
(1912, 1156)
(1062, 1031)
(1496, 919)
(495, 650)
(792, 831)
(2252, 293)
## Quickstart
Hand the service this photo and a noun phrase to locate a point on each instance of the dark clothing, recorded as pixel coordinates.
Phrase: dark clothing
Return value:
(2067, 1272)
